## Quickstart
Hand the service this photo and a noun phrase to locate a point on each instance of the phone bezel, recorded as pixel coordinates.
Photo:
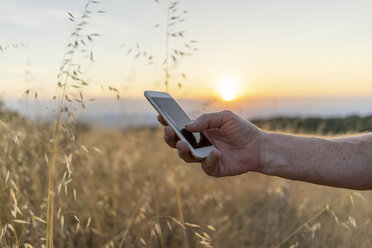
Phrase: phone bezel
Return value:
(198, 153)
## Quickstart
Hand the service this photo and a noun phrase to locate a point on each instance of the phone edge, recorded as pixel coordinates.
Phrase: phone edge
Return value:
(160, 112)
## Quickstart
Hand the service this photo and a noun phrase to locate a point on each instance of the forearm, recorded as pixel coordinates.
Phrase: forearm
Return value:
(344, 162)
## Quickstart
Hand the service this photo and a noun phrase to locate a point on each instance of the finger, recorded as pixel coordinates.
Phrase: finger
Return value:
(208, 121)
(162, 121)
(184, 152)
(170, 136)
(210, 164)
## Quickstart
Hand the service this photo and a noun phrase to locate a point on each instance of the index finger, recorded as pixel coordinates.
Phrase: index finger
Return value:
(208, 121)
(162, 121)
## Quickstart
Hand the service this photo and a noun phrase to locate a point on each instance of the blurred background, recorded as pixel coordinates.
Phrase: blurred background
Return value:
(82, 66)
(276, 58)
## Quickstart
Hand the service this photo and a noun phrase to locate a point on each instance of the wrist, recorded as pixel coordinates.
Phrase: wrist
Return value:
(270, 158)
(264, 141)
(252, 152)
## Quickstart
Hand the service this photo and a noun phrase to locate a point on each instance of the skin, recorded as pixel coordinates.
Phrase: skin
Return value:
(242, 147)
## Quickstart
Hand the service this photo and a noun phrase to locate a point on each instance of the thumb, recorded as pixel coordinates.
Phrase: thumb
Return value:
(210, 164)
(207, 121)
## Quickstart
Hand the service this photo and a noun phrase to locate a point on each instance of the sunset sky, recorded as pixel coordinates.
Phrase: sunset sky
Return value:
(272, 48)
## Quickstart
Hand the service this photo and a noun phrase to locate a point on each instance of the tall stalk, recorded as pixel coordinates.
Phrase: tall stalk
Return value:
(166, 66)
(177, 45)
(180, 211)
(69, 74)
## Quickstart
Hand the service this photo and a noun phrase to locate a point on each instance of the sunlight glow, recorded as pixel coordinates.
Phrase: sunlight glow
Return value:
(228, 88)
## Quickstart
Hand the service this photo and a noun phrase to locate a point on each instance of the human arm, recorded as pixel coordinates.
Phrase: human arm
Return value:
(242, 147)
(339, 162)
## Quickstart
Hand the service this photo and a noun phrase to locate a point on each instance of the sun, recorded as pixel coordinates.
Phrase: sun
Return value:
(228, 88)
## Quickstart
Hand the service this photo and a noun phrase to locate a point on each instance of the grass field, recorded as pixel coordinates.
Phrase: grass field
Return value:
(126, 188)
(68, 184)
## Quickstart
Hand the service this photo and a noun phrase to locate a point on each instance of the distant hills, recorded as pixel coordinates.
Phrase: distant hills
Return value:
(305, 125)
(323, 126)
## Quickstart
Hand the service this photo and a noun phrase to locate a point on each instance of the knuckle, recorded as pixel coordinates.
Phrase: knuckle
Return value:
(202, 117)
(167, 139)
(169, 142)
(184, 157)
(180, 153)
(227, 112)
(188, 159)
(208, 171)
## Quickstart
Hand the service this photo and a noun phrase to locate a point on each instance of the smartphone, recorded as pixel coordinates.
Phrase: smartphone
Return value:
(176, 118)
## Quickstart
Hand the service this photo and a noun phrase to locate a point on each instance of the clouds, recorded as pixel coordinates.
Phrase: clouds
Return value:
(13, 13)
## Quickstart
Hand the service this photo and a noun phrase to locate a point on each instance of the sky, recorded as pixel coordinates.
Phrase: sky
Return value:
(272, 48)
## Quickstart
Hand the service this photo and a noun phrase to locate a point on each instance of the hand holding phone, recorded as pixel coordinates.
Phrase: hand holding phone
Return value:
(237, 142)
(176, 118)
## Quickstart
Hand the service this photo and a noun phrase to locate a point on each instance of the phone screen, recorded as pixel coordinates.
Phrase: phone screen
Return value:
(180, 119)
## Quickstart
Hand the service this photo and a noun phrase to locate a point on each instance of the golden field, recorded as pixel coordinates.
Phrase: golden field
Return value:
(126, 188)
(68, 184)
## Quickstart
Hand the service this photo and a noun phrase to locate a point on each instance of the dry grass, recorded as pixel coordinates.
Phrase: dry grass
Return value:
(122, 192)
(68, 185)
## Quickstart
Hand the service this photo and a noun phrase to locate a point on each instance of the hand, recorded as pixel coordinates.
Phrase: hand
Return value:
(237, 143)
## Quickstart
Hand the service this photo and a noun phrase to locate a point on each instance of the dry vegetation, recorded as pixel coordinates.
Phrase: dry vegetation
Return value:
(64, 184)
(125, 188)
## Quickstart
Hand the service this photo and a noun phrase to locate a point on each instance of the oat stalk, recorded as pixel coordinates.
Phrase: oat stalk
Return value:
(69, 73)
